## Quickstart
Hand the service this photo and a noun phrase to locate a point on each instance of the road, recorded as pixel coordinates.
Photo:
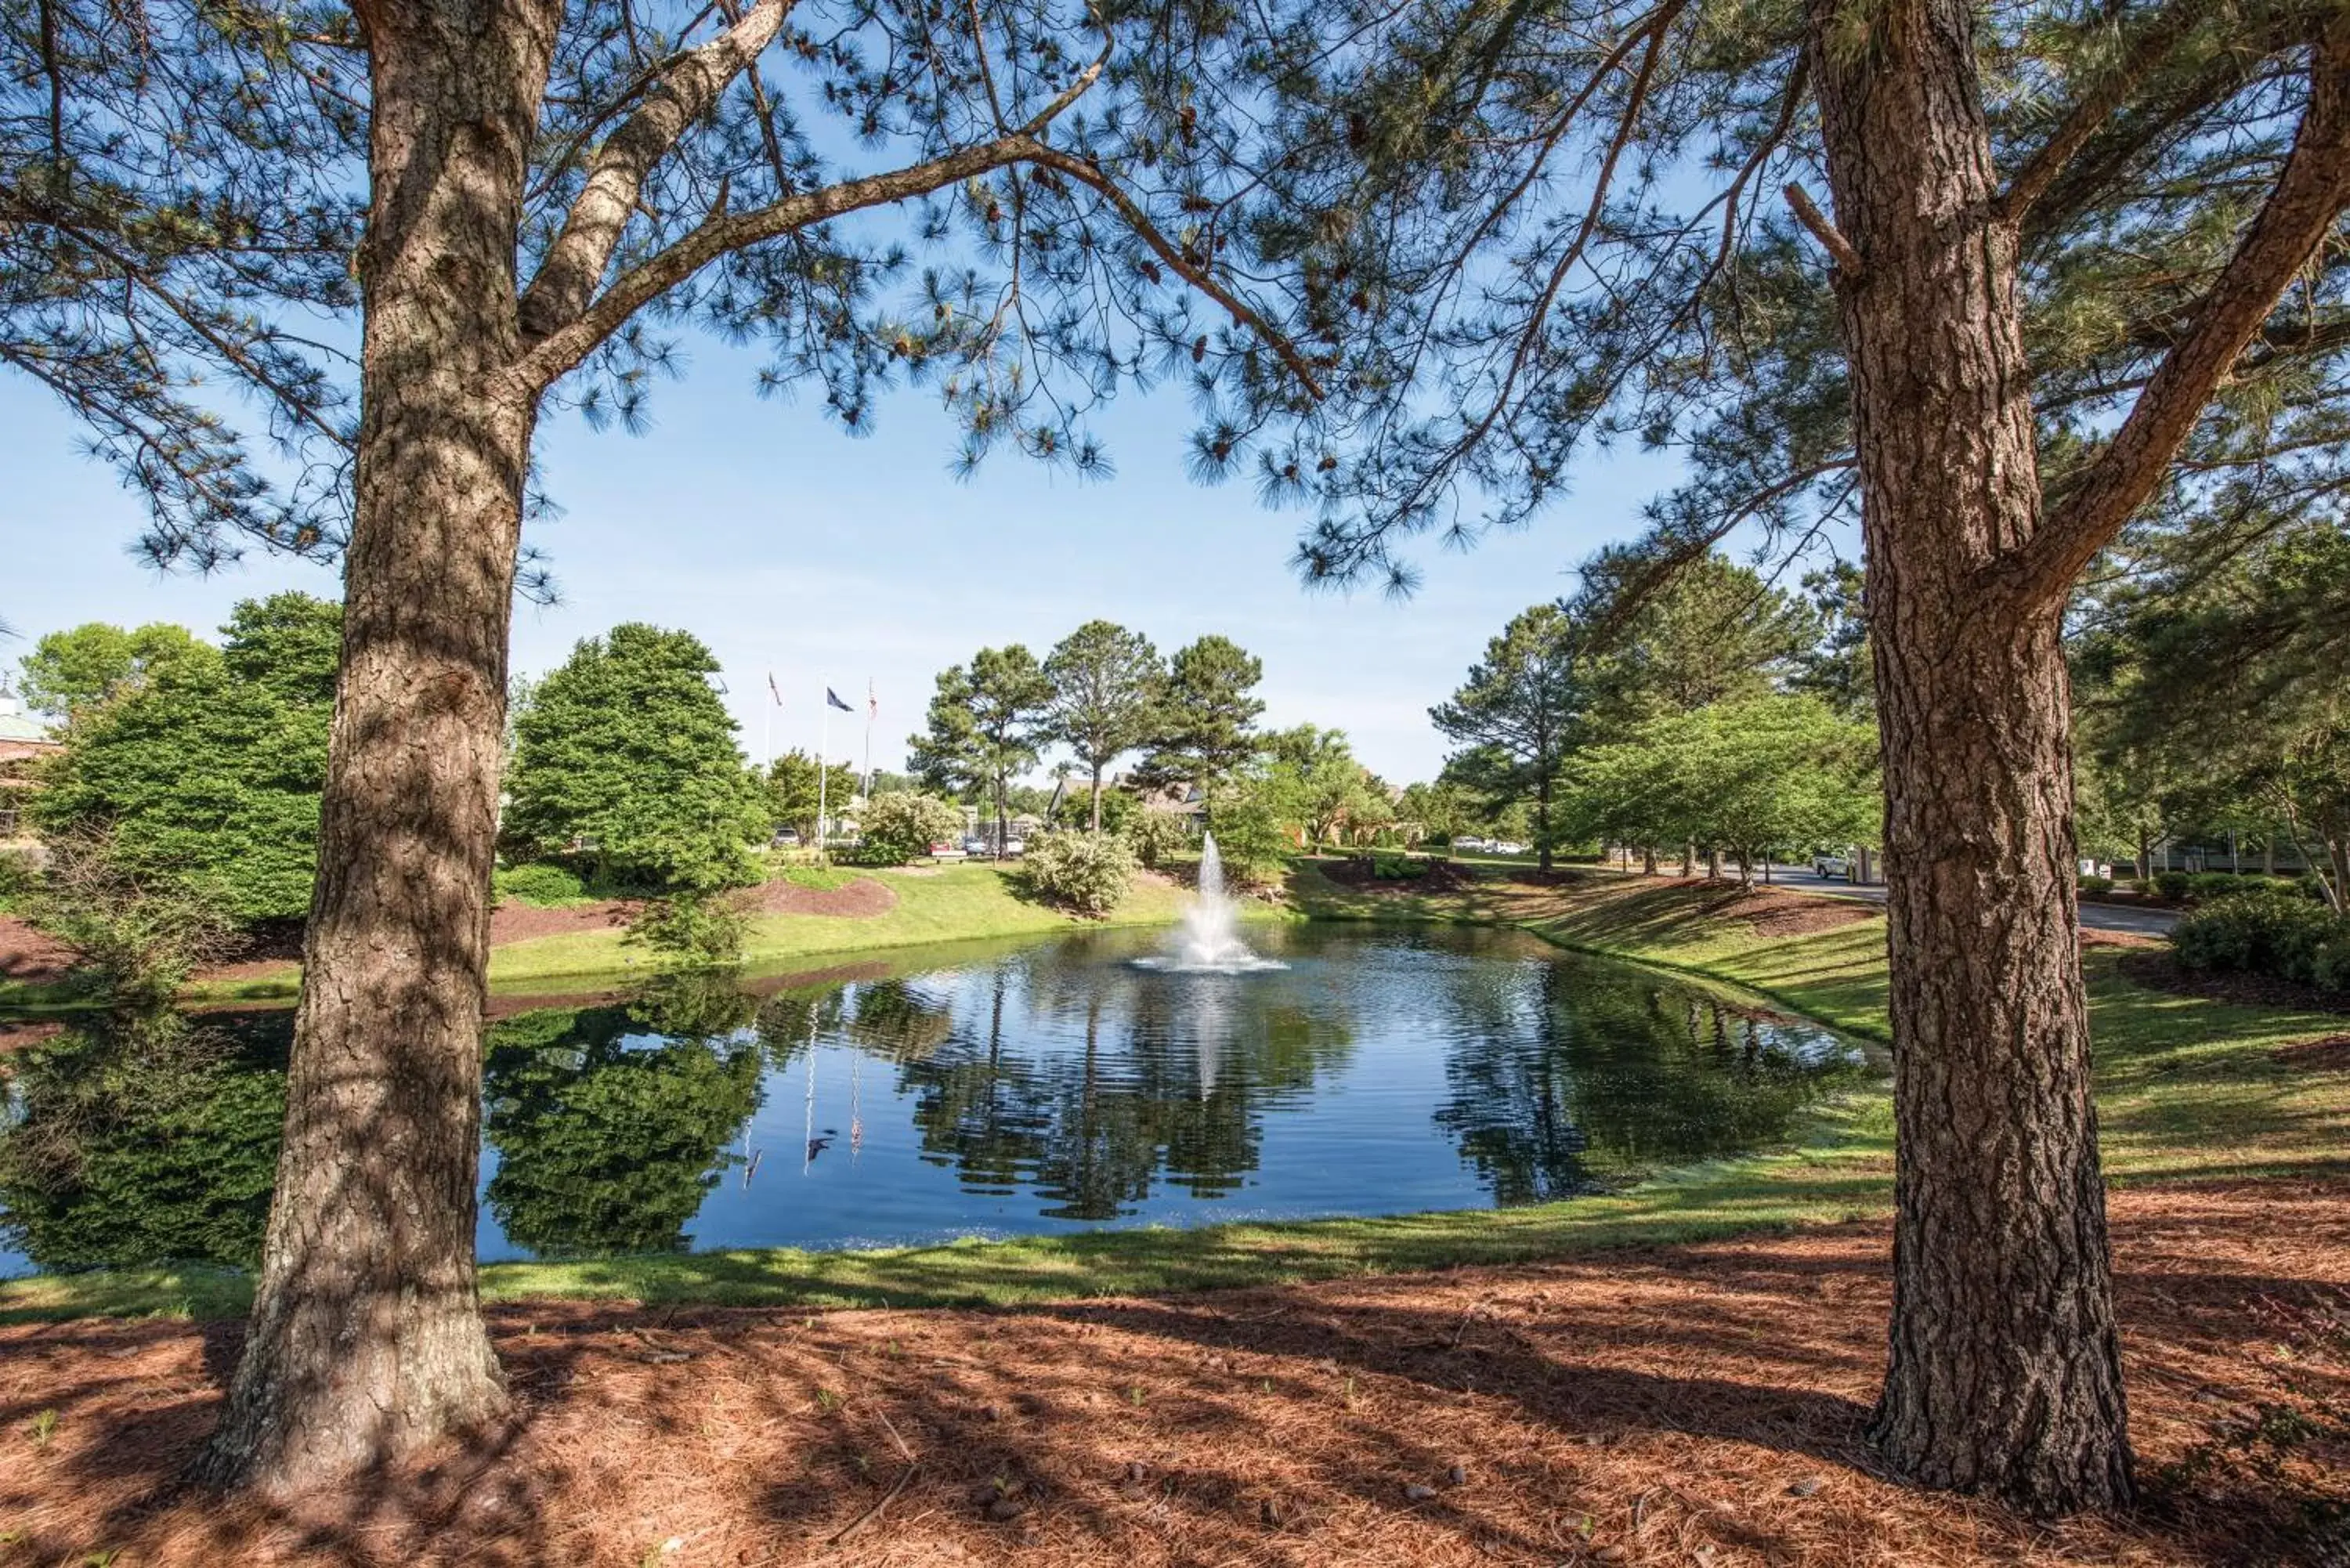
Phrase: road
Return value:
(2093, 917)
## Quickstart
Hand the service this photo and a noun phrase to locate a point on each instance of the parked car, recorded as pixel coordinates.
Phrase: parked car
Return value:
(1471, 842)
(1833, 863)
(788, 839)
(976, 846)
(1505, 846)
(943, 850)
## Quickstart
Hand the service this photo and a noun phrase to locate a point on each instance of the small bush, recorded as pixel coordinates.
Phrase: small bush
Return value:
(691, 930)
(899, 825)
(1397, 868)
(2271, 933)
(1157, 836)
(539, 882)
(2172, 885)
(2097, 887)
(1086, 872)
(19, 879)
(141, 936)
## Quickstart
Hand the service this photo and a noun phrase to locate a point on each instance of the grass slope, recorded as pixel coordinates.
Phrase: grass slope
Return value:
(2186, 1090)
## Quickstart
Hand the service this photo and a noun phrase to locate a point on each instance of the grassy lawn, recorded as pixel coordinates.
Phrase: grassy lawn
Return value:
(2186, 1090)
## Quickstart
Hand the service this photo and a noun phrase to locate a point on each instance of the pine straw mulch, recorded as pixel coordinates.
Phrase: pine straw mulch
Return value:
(1694, 1406)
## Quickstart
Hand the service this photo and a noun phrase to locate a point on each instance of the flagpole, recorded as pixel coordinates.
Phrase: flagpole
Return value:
(872, 708)
(822, 773)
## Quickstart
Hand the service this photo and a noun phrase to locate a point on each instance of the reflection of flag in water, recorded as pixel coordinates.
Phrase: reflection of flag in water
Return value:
(834, 698)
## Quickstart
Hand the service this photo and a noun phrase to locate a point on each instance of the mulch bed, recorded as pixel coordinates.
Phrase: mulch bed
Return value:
(2158, 971)
(1700, 1406)
(1362, 875)
(26, 954)
(860, 899)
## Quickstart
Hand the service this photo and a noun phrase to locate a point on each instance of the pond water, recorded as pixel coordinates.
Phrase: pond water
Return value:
(1048, 1088)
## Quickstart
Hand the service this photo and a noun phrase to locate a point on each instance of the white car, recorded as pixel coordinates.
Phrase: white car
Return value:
(1506, 846)
(1833, 863)
(1468, 842)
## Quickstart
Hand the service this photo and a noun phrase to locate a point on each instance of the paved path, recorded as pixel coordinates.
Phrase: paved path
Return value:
(2093, 917)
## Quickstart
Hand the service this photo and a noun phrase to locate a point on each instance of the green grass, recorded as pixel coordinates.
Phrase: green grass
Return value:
(2187, 1089)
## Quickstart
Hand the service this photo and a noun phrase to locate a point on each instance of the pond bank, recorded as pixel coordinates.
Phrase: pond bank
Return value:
(579, 949)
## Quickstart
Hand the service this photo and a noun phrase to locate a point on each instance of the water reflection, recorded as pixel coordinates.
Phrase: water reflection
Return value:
(1050, 1089)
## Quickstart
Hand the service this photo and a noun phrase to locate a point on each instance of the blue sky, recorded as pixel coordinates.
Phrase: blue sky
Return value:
(788, 545)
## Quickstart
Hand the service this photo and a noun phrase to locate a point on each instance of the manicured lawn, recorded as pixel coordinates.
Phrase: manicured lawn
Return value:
(2188, 1088)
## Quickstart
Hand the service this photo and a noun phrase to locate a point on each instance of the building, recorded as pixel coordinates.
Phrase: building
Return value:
(23, 742)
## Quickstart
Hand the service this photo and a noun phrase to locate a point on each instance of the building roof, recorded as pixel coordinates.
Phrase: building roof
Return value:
(16, 724)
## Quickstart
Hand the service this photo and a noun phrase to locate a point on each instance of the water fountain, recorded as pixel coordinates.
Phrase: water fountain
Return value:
(1209, 942)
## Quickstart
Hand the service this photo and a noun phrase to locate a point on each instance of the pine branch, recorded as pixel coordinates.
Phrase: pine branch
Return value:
(575, 263)
(2040, 170)
(2308, 200)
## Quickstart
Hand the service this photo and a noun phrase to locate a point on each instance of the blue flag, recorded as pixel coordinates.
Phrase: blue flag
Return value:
(834, 698)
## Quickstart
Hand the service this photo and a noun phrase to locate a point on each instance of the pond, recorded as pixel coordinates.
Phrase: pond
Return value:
(1053, 1088)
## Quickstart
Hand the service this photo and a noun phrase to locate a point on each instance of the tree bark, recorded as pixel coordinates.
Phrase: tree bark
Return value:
(1542, 815)
(365, 1339)
(2005, 1373)
(1097, 773)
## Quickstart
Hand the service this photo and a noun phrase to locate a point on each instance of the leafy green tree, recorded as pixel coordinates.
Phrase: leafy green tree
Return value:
(207, 771)
(626, 755)
(83, 667)
(986, 724)
(1521, 706)
(1749, 776)
(1105, 683)
(1434, 811)
(794, 795)
(1315, 781)
(1206, 727)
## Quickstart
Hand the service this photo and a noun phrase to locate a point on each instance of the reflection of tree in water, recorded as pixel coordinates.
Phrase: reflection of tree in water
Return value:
(1162, 1082)
(144, 1138)
(608, 1121)
(1568, 1078)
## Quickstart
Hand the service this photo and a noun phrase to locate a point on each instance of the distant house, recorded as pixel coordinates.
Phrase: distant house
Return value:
(23, 742)
(1173, 799)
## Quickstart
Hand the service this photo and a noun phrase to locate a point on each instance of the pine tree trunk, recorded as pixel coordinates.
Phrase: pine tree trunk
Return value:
(365, 1339)
(1097, 773)
(1542, 821)
(2005, 1373)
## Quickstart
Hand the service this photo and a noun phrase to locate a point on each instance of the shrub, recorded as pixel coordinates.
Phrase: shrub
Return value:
(899, 825)
(539, 882)
(691, 930)
(2172, 885)
(2271, 933)
(2097, 887)
(142, 936)
(1397, 868)
(19, 878)
(1253, 839)
(1086, 872)
(1157, 836)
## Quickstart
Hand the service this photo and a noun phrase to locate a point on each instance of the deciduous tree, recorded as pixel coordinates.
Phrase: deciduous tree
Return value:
(87, 665)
